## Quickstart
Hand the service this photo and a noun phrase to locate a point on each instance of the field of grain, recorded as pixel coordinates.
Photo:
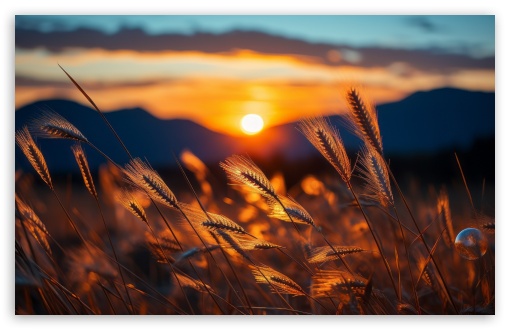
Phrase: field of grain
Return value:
(349, 240)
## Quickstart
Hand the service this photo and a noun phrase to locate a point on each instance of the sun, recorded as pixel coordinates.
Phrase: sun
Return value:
(252, 124)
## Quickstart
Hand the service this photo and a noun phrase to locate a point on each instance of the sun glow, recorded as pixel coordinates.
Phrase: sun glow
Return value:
(252, 124)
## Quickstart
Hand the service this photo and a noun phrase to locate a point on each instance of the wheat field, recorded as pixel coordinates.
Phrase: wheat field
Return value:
(352, 240)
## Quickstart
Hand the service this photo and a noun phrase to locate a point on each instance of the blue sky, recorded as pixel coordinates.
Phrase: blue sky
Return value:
(466, 34)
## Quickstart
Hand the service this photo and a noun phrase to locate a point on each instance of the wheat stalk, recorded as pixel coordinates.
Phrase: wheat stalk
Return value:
(326, 147)
(233, 242)
(375, 174)
(277, 280)
(377, 181)
(324, 253)
(363, 119)
(326, 139)
(211, 221)
(52, 125)
(220, 222)
(327, 281)
(242, 170)
(33, 224)
(287, 209)
(126, 199)
(144, 177)
(83, 164)
(249, 243)
(34, 155)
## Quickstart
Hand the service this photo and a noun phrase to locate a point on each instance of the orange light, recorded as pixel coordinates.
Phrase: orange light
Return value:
(252, 124)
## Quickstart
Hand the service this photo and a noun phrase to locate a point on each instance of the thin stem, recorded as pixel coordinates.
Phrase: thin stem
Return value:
(388, 269)
(422, 238)
(272, 286)
(465, 183)
(130, 310)
(189, 261)
(417, 301)
(324, 237)
(171, 267)
(235, 274)
(99, 111)
(302, 266)
(71, 222)
(127, 270)
(208, 251)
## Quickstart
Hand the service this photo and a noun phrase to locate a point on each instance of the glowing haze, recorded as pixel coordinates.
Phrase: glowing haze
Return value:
(272, 67)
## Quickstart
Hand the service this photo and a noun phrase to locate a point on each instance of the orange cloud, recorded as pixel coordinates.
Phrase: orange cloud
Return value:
(217, 90)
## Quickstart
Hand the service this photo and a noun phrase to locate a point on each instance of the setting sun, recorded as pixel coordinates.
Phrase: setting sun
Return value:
(252, 124)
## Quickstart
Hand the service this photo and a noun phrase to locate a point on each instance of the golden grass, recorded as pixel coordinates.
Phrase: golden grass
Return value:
(229, 256)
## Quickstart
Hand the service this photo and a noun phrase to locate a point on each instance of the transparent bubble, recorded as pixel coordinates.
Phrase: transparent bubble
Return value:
(471, 244)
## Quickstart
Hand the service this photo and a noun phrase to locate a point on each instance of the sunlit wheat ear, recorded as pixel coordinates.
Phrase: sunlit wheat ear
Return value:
(52, 125)
(445, 216)
(278, 281)
(375, 175)
(144, 177)
(363, 118)
(231, 241)
(216, 221)
(325, 253)
(290, 208)
(327, 282)
(33, 224)
(126, 199)
(27, 144)
(83, 164)
(242, 170)
(161, 248)
(249, 243)
(192, 283)
(211, 221)
(326, 139)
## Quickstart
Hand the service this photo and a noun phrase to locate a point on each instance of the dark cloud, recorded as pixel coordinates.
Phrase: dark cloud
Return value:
(23, 81)
(32, 82)
(424, 23)
(138, 40)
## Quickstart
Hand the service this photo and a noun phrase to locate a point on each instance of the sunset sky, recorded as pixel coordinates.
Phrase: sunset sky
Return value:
(216, 69)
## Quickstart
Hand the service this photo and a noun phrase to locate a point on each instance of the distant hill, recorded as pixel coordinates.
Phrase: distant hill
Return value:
(435, 120)
(425, 122)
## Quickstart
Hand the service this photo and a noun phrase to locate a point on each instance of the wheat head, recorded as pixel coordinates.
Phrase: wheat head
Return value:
(34, 155)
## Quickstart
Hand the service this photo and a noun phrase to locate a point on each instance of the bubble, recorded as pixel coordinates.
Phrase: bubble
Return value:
(471, 244)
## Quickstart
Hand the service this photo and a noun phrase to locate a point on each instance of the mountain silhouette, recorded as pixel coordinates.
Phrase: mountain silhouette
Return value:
(435, 120)
(423, 123)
